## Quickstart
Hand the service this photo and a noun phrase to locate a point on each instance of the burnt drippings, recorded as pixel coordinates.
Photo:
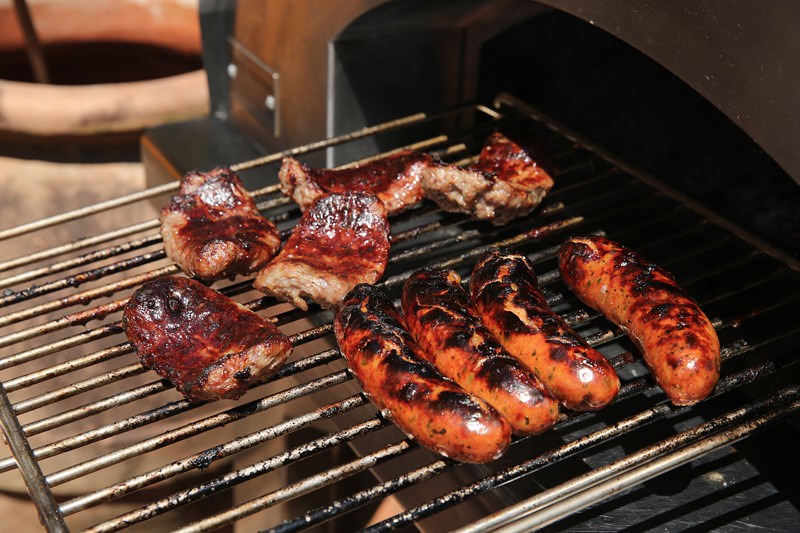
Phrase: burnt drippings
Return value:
(412, 391)
(204, 459)
(661, 310)
(503, 373)
(430, 286)
(243, 375)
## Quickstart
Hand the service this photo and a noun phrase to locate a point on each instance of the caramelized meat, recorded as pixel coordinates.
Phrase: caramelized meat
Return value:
(506, 295)
(206, 344)
(213, 230)
(433, 410)
(676, 338)
(442, 321)
(394, 179)
(340, 241)
(505, 183)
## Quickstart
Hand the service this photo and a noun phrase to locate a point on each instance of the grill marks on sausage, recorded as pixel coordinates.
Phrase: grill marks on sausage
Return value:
(441, 319)
(386, 361)
(340, 241)
(213, 230)
(206, 344)
(676, 338)
(506, 295)
(394, 179)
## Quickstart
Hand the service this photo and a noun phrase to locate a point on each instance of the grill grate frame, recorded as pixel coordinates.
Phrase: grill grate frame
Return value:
(594, 193)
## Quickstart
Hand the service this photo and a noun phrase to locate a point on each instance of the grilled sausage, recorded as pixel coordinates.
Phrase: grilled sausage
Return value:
(439, 316)
(506, 295)
(436, 412)
(676, 338)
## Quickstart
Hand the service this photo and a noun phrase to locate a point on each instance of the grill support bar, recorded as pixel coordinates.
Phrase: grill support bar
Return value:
(49, 514)
(604, 482)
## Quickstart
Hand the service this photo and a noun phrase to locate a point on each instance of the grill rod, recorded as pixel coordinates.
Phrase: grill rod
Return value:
(73, 246)
(191, 462)
(153, 224)
(323, 478)
(508, 100)
(604, 482)
(27, 406)
(633, 387)
(245, 165)
(49, 514)
(82, 317)
(726, 384)
(20, 406)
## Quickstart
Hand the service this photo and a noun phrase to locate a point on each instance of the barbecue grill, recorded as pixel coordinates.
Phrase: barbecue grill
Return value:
(103, 445)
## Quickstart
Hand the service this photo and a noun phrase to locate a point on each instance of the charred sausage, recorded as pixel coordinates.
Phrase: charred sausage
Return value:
(676, 338)
(436, 412)
(441, 319)
(506, 295)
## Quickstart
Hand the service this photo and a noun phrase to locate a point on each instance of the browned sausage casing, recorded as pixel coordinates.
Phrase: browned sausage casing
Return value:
(506, 295)
(441, 319)
(676, 338)
(436, 412)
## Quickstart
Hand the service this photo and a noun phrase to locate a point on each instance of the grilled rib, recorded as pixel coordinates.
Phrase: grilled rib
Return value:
(394, 179)
(213, 230)
(340, 241)
(505, 183)
(206, 344)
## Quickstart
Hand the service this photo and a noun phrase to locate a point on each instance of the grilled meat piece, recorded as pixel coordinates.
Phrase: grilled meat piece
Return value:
(506, 295)
(213, 230)
(340, 241)
(505, 183)
(206, 344)
(394, 179)
(441, 319)
(676, 338)
(433, 410)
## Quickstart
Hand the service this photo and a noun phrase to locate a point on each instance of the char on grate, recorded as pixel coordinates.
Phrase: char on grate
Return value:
(103, 445)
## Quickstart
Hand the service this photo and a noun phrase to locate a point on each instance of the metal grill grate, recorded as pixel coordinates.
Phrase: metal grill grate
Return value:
(101, 444)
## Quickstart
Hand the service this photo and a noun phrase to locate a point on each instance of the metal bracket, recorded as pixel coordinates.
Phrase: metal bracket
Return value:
(255, 87)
